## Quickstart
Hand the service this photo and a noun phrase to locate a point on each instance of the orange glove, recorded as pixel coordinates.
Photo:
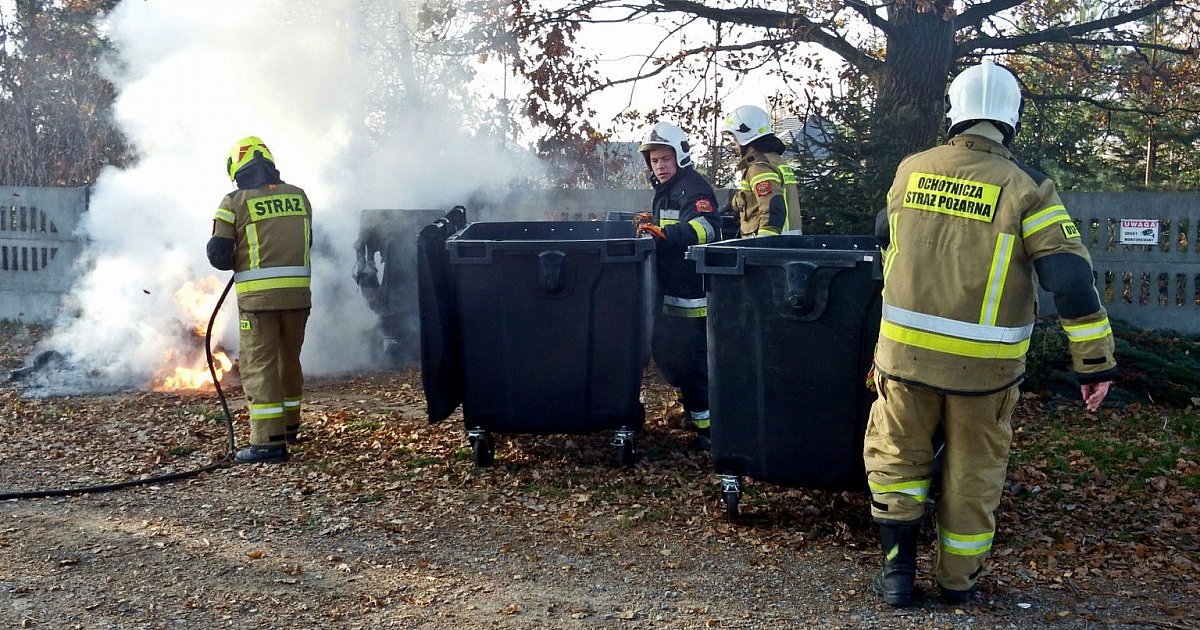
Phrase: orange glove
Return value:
(643, 217)
(652, 230)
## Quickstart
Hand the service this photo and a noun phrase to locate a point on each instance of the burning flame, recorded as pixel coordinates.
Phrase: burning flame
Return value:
(188, 368)
(196, 378)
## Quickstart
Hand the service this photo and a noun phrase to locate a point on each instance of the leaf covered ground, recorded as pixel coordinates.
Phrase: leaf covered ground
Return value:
(382, 520)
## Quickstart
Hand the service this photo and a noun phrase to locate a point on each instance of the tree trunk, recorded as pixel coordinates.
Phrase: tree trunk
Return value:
(910, 88)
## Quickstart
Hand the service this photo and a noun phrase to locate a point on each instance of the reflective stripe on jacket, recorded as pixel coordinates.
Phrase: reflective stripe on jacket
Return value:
(685, 207)
(768, 200)
(272, 227)
(966, 223)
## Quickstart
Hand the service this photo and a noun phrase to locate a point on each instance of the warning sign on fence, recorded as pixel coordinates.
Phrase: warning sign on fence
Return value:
(1139, 232)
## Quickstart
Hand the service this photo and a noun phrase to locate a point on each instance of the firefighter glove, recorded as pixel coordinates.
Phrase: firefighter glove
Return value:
(643, 217)
(652, 230)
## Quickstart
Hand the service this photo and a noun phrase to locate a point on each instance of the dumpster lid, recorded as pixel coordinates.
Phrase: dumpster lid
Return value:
(833, 250)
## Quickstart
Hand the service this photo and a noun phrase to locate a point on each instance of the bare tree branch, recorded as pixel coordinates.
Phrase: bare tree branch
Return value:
(1110, 106)
(1065, 34)
(974, 16)
(687, 53)
(1088, 41)
(906, 81)
(804, 29)
(868, 13)
(558, 17)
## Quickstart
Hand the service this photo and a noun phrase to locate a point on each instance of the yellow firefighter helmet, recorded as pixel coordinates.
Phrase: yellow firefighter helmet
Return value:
(245, 150)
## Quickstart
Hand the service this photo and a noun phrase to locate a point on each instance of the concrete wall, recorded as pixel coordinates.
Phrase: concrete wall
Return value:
(1149, 286)
(38, 248)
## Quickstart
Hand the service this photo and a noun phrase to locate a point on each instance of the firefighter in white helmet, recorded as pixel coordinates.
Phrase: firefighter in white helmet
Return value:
(966, 228)
(683, 214)
(768, 200)
(263, 232)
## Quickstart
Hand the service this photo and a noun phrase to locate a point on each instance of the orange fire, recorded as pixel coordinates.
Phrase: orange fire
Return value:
(197, 377)
(188, 369)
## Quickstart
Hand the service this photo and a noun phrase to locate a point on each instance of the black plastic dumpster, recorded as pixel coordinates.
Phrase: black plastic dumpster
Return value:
(792, 324)
(441, 357)
(550, 322)
(386, 273)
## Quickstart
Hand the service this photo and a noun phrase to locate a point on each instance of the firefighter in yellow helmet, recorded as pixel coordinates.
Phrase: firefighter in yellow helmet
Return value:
(966, 228)
(768, 201)
(263, 233)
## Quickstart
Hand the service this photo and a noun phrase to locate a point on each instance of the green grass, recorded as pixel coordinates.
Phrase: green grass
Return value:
(365, 425)
(1128, 446)
(1153, 366)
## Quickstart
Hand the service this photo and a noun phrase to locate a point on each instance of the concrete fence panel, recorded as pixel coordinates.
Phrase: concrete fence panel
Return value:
(1145, 249)
(38, 248)
(1145, 246)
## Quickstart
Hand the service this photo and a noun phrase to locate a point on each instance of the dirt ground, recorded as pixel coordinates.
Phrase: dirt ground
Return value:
(381, 520)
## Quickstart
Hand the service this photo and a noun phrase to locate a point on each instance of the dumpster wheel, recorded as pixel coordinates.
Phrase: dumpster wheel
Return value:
(731, 495)
(483, 448)
(626, 443)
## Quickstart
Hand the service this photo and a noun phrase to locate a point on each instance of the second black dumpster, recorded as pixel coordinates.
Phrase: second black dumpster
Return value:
(553, 329)
(792, 324)
(386, 273)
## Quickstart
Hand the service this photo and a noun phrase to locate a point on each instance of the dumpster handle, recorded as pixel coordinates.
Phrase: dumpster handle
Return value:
(717, 260)
(800, 277)
(552, 272)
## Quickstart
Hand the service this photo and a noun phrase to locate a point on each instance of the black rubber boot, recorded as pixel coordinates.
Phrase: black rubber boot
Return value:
(951, 596)
(702, 441)
(292, 433)
(895, 582)
(262, 455)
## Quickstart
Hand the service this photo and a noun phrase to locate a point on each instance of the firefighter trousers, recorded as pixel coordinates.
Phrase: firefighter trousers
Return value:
(269, 363)
(898, 454)
(680, 349)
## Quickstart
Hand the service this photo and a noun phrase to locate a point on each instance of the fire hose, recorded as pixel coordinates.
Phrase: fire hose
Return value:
(176, 476)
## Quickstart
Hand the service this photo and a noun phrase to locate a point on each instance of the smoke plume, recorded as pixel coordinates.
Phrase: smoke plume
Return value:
(352, 114)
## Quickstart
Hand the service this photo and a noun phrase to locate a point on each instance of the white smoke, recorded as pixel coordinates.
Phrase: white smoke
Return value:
(322, 82)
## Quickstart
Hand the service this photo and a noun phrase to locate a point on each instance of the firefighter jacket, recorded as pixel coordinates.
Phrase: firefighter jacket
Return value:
(685, 208)
(967, 227)
(768, 201)
(271, 226)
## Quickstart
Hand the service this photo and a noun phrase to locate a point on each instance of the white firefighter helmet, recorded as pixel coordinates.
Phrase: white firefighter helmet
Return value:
(747, 124)
(664, 134)
(985, 92)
